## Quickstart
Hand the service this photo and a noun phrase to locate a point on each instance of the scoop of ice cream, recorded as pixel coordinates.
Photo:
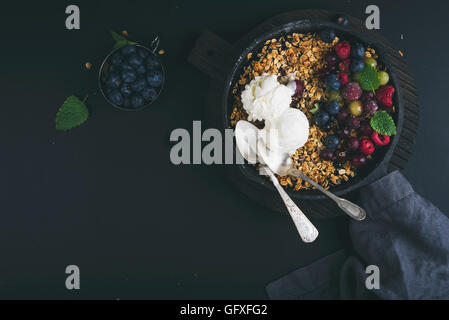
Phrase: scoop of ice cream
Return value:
(287, 133)
(265, 98)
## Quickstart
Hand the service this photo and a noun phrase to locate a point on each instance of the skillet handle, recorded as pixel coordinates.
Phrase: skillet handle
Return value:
(213, 56)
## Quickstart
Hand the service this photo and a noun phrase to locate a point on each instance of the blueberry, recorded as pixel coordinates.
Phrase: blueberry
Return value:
(135, 60)
(137, 101)
(141, 69)
(333, 108)
(139, 85)
(152, 62)
(129, 50)
(322, 118)
(126, 90)
(149, 94)
(129, 76)
(328, 35)
(358, 50)
(143, 53)
(113, 81)
(116, 98)
(357, 65)
(343, 20)
(332, 82)
(155, 78)
(332, 142)
(327, 127)
(116, 58)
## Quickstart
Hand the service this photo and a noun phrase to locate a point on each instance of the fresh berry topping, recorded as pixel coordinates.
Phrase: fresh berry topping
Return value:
(335, 95)
(371, 107)
(344, 78)
(385, 95)
(332, 142)
(357, 65)
(342, 156)
(359, 161)
(332, 82)
(356, 108)
(380, 139)
(321, 118)
(371, 62)
(367, 96)
(344, 66)
(342, 115)
(367, 146)
(333, 107)
(343, 50)
(331, 59)
(384, 78)
(344, 133)
(365, 129)
(328, 35)
(327, 154)
(353, 144)
(299, 88)
(352, 91)
(353, 122)
(358, 51)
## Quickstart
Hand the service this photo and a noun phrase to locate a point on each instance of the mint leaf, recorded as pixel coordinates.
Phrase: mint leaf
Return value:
(72, 114)
(383, 123)
(121, 41)
(369, 78)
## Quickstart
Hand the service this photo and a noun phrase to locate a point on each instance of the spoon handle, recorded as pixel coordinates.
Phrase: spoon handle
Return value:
(306, 229)
(351, 209)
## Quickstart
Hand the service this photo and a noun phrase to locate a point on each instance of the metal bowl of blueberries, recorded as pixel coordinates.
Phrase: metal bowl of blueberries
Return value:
(132, 77)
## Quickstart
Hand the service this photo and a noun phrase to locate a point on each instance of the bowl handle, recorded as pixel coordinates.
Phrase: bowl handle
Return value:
(213, 56)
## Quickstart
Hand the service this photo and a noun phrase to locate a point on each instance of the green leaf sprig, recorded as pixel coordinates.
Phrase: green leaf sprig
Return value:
(369, 78)
(121, 41)
(72, 114)
(383, 123)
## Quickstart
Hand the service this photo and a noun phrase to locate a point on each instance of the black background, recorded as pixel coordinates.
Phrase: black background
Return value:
(105, 196)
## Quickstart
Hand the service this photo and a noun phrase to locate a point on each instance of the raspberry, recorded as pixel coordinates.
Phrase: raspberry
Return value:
(380, 139)
(352, 91)
(385, 95)
(344, 65)
(367, 147)
(344, 78)
(343, 50)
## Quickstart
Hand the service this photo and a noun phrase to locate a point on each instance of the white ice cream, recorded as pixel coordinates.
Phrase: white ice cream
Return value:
(287, 133)
(266, 99)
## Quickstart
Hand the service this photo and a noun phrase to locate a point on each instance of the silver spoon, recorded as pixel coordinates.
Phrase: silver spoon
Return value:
(284, 166)
(246, 135)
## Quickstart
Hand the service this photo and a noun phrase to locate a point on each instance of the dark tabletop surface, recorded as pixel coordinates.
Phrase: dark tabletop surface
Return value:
(105, 196)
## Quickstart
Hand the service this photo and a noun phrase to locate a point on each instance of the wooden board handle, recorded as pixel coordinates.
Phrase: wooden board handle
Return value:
(213, 56)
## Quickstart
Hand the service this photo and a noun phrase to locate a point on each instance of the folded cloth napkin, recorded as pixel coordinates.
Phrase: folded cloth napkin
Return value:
(404, 235)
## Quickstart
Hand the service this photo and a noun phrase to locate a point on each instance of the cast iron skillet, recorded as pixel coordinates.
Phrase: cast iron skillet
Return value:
(224, 63)
(382, 156)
